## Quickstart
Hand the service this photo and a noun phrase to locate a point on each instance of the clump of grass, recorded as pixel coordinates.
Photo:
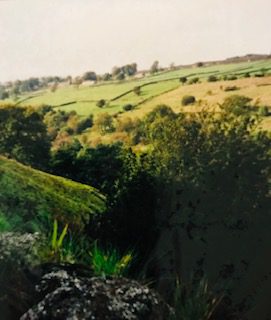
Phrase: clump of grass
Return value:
(194, 301)
(109, 262)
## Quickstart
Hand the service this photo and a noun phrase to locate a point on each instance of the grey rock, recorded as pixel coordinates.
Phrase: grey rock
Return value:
(67, 295)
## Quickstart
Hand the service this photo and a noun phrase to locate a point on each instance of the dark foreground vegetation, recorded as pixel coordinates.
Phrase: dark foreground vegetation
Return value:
(185, 214)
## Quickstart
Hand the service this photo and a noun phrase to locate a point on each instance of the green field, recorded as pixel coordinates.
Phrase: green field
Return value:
(163, 87)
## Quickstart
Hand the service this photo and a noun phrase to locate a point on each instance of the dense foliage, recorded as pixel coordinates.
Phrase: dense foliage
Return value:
(23, 136)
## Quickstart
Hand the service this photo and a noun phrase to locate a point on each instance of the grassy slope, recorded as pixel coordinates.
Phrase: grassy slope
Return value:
(30, 197)
(211, 93)
(84, 98)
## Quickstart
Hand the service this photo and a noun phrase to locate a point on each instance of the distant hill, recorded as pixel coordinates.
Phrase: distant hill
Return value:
(247, 58)
(30, 199)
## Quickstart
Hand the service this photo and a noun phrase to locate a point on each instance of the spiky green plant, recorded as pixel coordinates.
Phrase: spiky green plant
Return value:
(57, 242)
(52, 249)
(194, 302)
(109, 262)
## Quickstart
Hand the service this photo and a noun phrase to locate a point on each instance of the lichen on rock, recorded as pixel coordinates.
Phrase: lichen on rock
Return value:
(67, 295)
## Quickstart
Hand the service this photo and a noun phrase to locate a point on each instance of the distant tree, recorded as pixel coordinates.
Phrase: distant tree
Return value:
(23, 136)
(90, 75)
(232, 77)
(137, 90)
(212, 78)
(69, 80)
(101, 103)
(199, 64)
(264, 111)
(106, 77)
(120, 76)
(130, 69)
(84, 124)
(3, 93)
(160, 111)
(236, 104)
(115, 71)
(183, 80)
(172, 66)
(64, 160)
(30, 84)
(154, 67)
(186, 100)
(193, 80)
(126, 124)
(15, 91)
(104, 123)
(77, 82)
(54, 87)
(128, 107)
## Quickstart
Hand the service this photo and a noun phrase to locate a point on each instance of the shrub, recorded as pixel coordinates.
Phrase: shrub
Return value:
(232, 77)
(193, 80)
(231, 88)
(236, 104)
(264, 111)
(84, 124)
(183, 80)
(246, 75)
(128, 107)
(186, 100)
(259, 75)
(212, 78)
(104, 122)
(137, 90)
(101, 103)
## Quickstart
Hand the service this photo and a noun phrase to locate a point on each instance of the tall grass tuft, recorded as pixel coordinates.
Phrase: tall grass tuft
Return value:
(194, 302)
(109, 262)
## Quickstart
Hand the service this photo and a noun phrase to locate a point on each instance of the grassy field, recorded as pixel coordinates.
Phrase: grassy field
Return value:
(163, 87)
(210, 94)
(29, 197)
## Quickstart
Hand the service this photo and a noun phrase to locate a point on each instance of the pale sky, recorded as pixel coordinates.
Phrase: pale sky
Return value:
(69, 37)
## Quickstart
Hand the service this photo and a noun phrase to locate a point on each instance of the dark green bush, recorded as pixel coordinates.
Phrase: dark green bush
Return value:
(212, 78)
(246, 75)
(232, 77)
(101, 103)
(237, 104)
(264, 111)
(128, 107)
(186, 100)
(183, 80)
(259, 75)
(84, 124)
(193, 80)
(137, 90)
(231, 88)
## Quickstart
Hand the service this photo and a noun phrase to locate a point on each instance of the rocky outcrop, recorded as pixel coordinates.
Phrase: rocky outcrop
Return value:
(18, 252)
(67, 295)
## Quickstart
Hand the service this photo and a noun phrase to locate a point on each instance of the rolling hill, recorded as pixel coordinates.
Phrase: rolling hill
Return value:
(83, 99)
(29, 199)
